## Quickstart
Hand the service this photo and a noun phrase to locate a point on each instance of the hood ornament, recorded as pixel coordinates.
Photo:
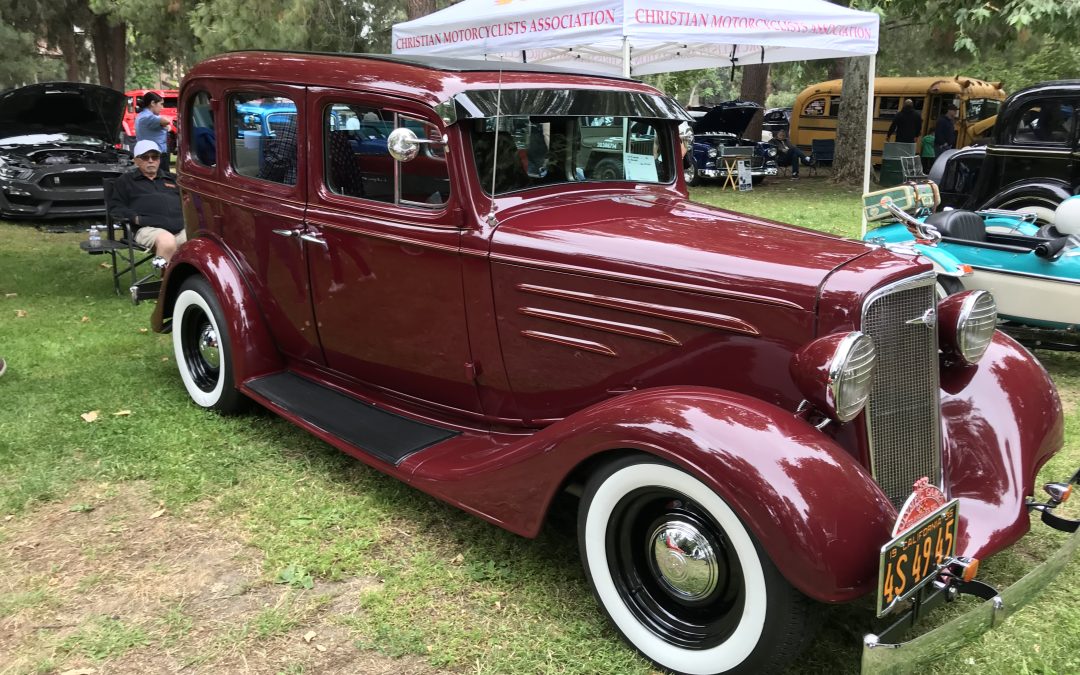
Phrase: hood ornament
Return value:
(928, 318)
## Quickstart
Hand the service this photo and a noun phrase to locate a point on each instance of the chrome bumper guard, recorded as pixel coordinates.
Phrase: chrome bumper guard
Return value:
(882, 658)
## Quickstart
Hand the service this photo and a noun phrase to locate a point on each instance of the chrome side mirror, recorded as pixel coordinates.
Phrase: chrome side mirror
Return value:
(403, 144)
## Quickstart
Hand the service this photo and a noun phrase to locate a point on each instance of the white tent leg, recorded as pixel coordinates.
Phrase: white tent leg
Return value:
(625, 56)
(869, 132)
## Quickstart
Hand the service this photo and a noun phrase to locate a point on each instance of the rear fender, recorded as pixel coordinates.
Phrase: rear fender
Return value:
(254, 352)
(1048, 192)
(816, 511)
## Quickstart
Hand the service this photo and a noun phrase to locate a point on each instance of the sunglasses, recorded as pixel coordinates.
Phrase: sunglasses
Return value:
(150, 156)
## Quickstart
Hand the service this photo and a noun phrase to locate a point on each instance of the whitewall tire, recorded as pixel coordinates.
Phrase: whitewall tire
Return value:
(680, 576)
(202, 348)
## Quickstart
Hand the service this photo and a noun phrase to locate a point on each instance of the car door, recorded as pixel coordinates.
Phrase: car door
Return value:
(263, 217)
(385, 261)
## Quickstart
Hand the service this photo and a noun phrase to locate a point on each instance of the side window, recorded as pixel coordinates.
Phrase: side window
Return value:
(834, 106)
(815, 108)
(263, 132)
(1048, 121)
(356, 160)
(889, 106)
(425, 181)
(200, 126)
(358, 163)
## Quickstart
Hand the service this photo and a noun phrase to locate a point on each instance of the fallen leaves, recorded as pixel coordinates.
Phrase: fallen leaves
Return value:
(90, 416)
(11, 295)
(121, 413)
(85, 319)
(309, 636)
(79, 671)
(107, 266)
(144, 331)
(20, 313)
(157, 514)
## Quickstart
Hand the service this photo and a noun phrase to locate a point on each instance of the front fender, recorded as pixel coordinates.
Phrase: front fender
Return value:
(253, 351)
(1049, 190)
(1002, 420)
(944, 262)
(815, 510)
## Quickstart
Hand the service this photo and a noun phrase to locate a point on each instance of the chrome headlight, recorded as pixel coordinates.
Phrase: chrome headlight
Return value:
(966, 323)
(714, 153)
(835, 373)
(772, 153)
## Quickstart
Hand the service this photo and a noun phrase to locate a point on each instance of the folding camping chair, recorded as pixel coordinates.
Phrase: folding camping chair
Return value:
(128, 257)
(822, 150)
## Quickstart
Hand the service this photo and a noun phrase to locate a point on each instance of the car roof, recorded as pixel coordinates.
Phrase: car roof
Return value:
(429, 79)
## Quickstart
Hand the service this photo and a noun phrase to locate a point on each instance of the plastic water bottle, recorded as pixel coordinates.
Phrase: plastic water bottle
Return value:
(95, 237)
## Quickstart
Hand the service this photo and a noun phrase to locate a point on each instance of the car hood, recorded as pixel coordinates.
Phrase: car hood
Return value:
(671, 241)
(62, 107)
(731, 116)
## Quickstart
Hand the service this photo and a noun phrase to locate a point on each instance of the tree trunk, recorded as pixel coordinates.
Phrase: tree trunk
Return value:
(118, 55)
(71, 55)
(99, 35)
(851, 124)
(414, 9)
(755, 84)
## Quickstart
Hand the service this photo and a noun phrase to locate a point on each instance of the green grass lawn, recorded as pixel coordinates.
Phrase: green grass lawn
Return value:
(439, 589)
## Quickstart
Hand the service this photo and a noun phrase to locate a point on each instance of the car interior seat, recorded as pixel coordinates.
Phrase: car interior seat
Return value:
(959, 224)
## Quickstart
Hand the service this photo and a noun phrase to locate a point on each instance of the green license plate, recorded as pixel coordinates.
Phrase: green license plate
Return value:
(913, 559)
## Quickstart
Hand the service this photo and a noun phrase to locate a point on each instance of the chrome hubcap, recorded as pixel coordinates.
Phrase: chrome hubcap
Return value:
(208, 346)
(685, 560)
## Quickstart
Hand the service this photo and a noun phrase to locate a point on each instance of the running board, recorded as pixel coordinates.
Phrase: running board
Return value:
(376, 432)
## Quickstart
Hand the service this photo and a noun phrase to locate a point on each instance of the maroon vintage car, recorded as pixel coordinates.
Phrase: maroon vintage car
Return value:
(497, 316)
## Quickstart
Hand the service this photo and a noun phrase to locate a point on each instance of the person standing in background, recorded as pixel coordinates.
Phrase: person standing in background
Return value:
(945, 130)
(151, 126)
(906, 125)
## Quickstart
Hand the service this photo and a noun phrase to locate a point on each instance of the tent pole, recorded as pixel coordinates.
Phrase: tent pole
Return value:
(626, 57)
(869, 132)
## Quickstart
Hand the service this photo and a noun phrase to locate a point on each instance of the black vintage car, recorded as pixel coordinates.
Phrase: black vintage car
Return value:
(1032, 161)
(57, 143)
(721, 127)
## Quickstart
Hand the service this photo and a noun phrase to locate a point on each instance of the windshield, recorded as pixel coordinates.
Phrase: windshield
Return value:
(537, 150)
(43, 139)
(979, 109)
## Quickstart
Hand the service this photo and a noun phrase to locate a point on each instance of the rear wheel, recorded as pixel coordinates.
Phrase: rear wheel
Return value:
(608, 169)
(681, 578)
(202, 348)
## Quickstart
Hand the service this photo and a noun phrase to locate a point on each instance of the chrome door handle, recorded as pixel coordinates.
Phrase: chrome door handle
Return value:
(314, 239)
(287, 233)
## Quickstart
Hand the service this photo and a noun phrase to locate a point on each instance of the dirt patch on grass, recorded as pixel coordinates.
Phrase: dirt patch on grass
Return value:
(108, 579)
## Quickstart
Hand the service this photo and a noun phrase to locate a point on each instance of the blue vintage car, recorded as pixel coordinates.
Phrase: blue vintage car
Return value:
(1033, 271)
(721, 127)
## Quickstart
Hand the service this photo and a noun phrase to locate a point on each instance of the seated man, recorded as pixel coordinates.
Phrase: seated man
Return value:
(150, 199)
(787, 153)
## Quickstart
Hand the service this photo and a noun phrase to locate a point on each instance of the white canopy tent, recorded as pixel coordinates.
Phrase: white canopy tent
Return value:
(641, 37)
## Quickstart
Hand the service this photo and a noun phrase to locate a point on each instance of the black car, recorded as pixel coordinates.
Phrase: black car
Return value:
(57, 143)
(722, 126)
(1032, 161)
(776, 119)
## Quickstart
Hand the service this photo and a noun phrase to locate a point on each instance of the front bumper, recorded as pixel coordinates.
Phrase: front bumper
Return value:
(722, 173)
(880, 657)
(57, 193)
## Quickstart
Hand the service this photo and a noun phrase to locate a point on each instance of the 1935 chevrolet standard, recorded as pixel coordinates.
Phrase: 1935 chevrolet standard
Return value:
(743, 407)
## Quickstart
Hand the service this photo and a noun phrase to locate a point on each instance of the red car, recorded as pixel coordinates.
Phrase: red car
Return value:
(168, 111)
(755, 417)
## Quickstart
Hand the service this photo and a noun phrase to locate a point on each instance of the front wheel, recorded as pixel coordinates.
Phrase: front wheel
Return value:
(690, 171)
(202, 348)
(946, 286)
(681, 578)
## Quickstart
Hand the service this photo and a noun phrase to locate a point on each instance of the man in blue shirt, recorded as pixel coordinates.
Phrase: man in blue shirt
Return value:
(151, 126)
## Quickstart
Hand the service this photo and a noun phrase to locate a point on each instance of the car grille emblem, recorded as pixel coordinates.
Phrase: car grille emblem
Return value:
(56, 180)
(929, 318)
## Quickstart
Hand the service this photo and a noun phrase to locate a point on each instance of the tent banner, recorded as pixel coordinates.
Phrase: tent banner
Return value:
(820, 26)
(509, 25)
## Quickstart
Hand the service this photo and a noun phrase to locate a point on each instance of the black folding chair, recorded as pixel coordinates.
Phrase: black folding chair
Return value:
(822, 150)
(128, 257)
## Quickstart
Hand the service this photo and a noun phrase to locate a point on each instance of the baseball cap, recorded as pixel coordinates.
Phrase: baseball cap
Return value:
(144, 146)
(953, 106)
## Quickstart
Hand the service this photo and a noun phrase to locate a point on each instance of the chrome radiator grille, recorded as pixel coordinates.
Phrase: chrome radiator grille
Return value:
(903, 414)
